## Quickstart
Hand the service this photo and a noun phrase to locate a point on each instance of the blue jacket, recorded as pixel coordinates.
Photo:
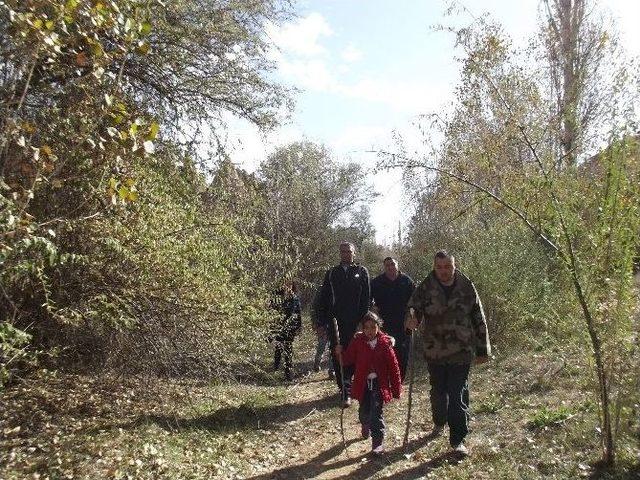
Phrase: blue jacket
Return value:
(391, 298)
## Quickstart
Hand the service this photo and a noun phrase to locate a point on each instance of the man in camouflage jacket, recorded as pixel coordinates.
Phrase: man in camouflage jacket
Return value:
(448, 310)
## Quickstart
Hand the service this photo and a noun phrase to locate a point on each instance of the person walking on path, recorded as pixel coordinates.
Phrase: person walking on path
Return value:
(390, 292)
(452, 322)
(288, 324)
(322, 340)
(344, 296)
(376, 379)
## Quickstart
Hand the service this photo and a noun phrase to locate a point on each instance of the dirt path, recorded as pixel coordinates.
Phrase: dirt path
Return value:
(311, 446)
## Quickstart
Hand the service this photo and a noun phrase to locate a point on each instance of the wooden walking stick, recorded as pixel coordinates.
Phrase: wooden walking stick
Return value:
(412, 370)
(342, 395)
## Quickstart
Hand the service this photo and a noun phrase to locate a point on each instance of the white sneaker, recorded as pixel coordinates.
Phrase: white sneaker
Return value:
(379, 450)
(461, 449)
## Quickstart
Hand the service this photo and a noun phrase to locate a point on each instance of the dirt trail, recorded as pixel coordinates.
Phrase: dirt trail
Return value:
(311, 446)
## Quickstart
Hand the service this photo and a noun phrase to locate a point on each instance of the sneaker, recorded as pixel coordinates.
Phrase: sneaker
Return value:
(378, 451)
(347, 402)
(437, 431)
(288, 375)
(364, 430)
(332, 374)
(461, 449)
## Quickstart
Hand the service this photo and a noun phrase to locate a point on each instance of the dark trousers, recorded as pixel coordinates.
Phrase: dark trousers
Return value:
(284, 348)
(401, 349)
(370, 412)
(450, 398)
(347, 373)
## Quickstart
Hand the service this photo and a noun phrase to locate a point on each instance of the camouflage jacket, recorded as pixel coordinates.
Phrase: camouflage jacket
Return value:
(453, 330)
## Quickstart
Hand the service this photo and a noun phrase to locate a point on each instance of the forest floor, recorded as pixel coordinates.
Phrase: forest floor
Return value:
(533, 417)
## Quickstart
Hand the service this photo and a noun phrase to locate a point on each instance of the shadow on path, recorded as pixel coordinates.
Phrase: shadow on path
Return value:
(242, 417)
(323, 463)
(419, 471)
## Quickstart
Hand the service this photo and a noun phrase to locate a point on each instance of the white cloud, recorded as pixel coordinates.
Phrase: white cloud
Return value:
(247, 147)
(408, 97)
(351, 54)
(301, 37)
(356, 139)
(308, 74)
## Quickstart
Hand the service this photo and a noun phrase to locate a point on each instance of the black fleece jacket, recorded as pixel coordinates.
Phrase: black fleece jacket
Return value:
(345, 296)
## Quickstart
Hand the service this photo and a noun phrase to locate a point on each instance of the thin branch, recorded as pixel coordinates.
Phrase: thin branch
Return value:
(475, 185)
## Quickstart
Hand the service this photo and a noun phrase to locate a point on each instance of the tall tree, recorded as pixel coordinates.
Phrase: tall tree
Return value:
(576, 44)
(311, 199)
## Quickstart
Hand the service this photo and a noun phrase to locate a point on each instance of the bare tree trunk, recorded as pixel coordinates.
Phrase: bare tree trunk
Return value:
(608, 453)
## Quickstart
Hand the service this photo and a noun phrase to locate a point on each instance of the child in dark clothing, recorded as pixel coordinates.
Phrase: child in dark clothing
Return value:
(289, 323)
(376, 379)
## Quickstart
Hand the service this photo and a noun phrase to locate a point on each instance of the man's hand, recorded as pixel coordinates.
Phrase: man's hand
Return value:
(411, 322)
(480, 360)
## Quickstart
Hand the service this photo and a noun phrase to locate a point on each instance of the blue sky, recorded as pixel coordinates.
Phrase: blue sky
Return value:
(365, 68)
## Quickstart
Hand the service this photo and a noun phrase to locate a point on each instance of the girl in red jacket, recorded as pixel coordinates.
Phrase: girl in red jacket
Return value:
(376, 379)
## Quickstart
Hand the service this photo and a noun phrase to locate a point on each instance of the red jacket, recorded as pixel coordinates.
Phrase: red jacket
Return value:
(382, 360)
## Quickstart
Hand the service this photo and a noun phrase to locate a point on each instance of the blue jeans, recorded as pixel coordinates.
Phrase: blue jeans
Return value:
(370, 412)
(450, 398)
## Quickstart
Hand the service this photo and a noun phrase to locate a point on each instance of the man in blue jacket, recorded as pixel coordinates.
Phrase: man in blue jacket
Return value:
(391, 292)
(345, 295)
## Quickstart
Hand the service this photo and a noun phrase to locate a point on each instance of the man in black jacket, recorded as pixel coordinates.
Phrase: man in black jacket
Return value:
(390, 292)
(344, 295)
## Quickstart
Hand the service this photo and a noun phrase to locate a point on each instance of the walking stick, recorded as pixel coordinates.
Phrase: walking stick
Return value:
(412, 370)
(337, 333)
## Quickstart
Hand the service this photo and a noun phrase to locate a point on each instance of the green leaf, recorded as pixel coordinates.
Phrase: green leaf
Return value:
(144, 28)
(153, 130)
(97, 50)
(133, 196)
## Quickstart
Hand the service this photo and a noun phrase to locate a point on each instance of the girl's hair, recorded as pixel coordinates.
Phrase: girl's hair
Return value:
(371, 317)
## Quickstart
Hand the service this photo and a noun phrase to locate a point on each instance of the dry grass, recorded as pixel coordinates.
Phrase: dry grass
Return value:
(533, 418)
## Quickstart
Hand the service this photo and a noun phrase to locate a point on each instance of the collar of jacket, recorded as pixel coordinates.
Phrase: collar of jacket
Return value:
(387, 280)
(435, 282)
(381, 337)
